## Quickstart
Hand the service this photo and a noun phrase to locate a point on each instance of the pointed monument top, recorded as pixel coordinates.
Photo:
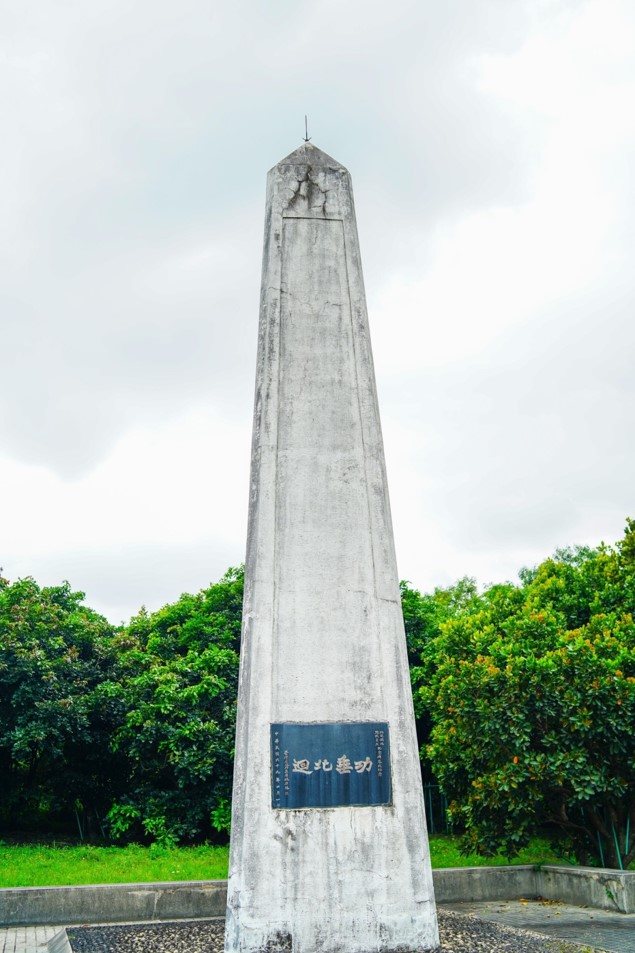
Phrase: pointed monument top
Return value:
(308, 154)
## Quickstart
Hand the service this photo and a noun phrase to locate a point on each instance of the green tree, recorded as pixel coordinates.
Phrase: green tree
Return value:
(178, 692)
(54, 761)
(531, 690)
(424, 614)
(423, 617)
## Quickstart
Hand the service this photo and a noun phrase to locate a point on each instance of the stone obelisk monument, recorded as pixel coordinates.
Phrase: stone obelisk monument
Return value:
(328, 847)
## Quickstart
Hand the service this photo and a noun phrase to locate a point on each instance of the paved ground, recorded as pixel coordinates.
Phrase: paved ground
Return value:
(26, 939)
(597, 929)
(614, 932)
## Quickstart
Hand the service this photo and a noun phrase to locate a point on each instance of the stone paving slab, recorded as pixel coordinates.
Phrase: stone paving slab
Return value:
(599, 929)
(26, 939)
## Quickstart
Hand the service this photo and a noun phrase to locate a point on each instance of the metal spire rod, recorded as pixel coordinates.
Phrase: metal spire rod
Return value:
(306, 130)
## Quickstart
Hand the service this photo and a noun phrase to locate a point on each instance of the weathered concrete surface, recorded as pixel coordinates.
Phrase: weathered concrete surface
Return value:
(601, 889)
(112, 903)
(611, 890)
(588, 886)
(59, 943)
(462, 884)
(323, 637)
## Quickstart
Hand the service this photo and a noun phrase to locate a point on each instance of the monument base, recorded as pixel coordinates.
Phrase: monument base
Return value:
(281, 942)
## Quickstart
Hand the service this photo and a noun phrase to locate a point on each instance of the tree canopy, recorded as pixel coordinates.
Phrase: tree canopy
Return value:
(524, 697)
(54, 736)
(531, 693)
(177, 699)
(129, 732)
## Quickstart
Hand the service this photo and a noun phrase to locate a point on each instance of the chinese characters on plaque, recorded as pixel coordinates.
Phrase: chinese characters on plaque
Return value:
(330, 765)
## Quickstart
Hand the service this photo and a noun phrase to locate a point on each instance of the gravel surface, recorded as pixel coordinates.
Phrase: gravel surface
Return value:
(459, 934)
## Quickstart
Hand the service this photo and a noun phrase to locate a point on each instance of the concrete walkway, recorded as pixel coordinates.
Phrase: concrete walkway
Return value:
(26, 939)
(599, 929)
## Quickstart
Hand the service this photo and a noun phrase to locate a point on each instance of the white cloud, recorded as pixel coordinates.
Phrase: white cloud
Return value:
(167, 493)
(491, 149)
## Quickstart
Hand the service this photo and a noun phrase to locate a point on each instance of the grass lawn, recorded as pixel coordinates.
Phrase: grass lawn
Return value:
(444, 852)
(49, 866)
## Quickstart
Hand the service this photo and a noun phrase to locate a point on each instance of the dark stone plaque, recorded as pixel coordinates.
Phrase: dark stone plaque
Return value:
(332, 764)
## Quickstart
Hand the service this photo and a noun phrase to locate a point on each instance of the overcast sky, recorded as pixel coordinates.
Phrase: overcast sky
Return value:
(491, 144)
